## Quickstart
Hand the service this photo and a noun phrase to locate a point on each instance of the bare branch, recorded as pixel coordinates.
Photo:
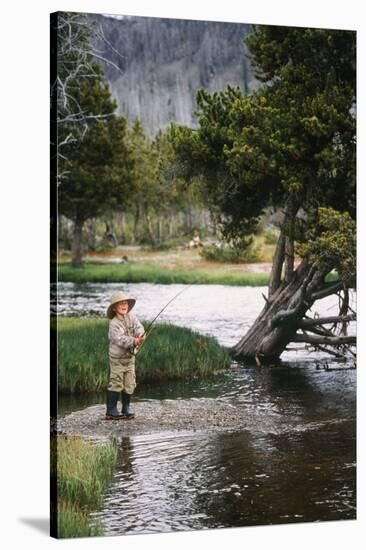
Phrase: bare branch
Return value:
(321, 331)
(266, 300)
(107, 61)
(100, 34)
(305, 323)
(327, 340)
(337, 353)
(68, 139)
(328, 290)
(79, 117)
(76, 61)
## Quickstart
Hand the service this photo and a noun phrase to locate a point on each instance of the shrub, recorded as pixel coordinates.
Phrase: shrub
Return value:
(270, 237)
(231, 253)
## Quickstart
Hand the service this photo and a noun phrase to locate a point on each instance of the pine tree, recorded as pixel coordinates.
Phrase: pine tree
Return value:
(95, 167)
(290, 144)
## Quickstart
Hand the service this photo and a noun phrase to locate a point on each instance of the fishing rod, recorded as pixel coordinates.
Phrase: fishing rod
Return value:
(149, 328)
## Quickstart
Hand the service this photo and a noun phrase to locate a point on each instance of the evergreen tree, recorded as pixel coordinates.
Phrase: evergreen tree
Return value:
(143, 175)
(97, 177)
(291, 144)
(95, 167)
(72, 61)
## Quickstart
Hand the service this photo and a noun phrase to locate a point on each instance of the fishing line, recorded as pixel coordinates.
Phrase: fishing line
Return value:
(149, 328)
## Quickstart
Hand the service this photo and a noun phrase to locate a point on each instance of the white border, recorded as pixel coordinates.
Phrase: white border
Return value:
(24, 268)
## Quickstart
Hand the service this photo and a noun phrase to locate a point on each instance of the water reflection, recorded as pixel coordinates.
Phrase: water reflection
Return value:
(295, 463)
(170, 482)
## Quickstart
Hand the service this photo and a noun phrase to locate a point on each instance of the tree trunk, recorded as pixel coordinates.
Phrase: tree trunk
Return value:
(76, 243)
(289, 258)
(277, 263)
(287, 302)
(169, 226)
(136, 222)
(123, 227)
(92, 234)
(149, 225)
(188, 220)
(158, 228)
(269, 336)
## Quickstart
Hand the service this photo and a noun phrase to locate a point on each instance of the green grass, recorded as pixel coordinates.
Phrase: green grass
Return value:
(74, 522)
(83, 471)
(175, 353)
(146, 273)
(170, 353)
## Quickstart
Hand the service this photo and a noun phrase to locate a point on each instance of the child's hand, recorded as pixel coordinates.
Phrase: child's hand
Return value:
(139, 340)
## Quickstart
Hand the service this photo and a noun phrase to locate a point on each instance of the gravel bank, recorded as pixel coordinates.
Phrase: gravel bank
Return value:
(182, 415)
(156, 416)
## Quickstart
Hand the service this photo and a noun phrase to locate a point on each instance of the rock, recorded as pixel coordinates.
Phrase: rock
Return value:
(161, 63)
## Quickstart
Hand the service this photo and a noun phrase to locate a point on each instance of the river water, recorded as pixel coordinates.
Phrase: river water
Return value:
(296, 462)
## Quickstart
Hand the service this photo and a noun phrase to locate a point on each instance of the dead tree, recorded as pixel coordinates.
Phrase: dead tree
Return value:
(73, 58)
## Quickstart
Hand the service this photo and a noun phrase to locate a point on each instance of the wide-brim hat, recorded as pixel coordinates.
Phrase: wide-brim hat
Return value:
(119, 296)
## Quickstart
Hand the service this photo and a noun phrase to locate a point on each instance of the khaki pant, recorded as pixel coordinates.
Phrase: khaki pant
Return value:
(122, 374)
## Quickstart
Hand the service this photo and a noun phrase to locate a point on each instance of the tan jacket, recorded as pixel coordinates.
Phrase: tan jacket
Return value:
(122, 333)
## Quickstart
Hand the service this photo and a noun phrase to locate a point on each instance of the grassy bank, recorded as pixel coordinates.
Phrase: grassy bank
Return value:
(83, 471)
(152, 273)
(162, 273)
(170, 353)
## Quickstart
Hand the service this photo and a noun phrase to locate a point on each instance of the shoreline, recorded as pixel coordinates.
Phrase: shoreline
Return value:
(240, 275)
(196, 415)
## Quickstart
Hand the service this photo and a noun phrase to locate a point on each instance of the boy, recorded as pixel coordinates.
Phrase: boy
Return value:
(125, 334)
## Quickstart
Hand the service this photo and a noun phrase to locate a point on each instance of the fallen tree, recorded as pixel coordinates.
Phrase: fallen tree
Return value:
(284, 317)
(283, 320)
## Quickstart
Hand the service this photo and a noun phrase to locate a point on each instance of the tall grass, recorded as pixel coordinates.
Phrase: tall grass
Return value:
(82, 472)
(146, 273)
(74, 522)
(163, 274)
(82, 355)
(170, 353)
(175, 353)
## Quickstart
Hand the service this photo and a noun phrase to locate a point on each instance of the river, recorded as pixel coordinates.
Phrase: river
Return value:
(296, 462)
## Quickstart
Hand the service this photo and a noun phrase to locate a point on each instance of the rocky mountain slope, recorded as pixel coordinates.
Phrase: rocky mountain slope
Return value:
(162, 62)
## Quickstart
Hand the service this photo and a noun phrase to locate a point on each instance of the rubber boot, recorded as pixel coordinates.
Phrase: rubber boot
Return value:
(126, 399)
(112, 411)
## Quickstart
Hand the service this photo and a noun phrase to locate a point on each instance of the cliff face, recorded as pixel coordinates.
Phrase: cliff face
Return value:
(162, 62)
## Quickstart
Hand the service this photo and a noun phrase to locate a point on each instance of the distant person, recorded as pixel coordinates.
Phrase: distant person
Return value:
(125, 334)
(196, 241)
